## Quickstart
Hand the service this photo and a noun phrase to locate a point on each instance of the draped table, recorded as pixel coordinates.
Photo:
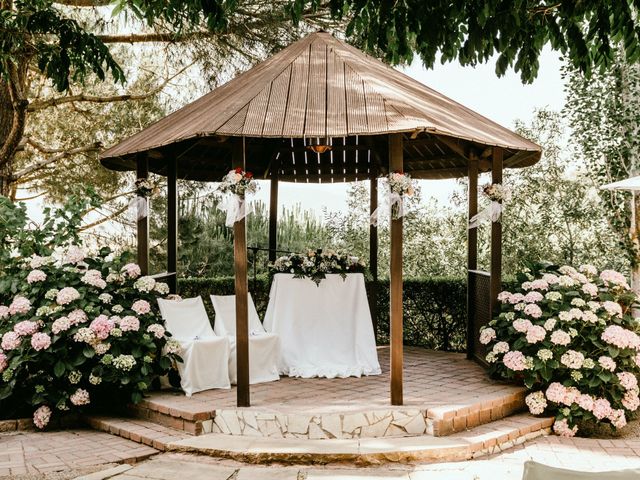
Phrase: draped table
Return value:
(325, 330)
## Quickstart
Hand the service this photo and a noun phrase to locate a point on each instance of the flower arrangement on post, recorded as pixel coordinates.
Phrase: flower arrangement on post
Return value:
(400, 186)
(316, 264)
(237, 183)
(569, 336)
(496, 193)
(145, 188)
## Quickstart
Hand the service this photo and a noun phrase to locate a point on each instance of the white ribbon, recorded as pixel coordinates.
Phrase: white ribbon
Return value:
(141, 207)
(493, 212)
(235, 208)
(396, 208)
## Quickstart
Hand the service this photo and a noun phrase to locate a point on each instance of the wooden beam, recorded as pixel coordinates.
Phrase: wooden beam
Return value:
(472, 254)
(453, 145)
(395, 314)
(496, 234)
(273, 212)
(142, 172)
(373, 255)
(172, 223)
(242, 291)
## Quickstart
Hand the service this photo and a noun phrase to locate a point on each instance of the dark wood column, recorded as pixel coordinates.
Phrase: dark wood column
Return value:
(496, 234)
(395, 280)
(142, 172)
(172, 224)
(373, 255)
(472, 253)
(273, 213)
(241, 290)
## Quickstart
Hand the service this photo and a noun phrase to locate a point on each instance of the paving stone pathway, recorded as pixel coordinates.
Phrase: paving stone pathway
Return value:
(51, 454)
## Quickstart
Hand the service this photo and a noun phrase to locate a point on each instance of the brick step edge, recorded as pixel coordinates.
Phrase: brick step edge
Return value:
(480, 441)
(136, 430)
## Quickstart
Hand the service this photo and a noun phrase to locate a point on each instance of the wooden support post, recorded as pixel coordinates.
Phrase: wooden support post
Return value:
(395, 314)
(172, 223)
(142, 172)
(242, 291)
(373, 255)
(273, 215)
(472, 254)
(496, 234)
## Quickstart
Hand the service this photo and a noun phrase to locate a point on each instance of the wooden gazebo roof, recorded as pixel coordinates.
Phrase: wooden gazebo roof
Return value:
(321, 88)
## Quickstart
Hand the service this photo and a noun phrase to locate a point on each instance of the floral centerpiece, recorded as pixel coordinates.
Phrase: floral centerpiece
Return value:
(316, 264)
(569, 336)
(400, 185)
(237, 183)
(76, 330)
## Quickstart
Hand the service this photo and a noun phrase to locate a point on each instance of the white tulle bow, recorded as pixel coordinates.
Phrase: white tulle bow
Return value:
(493, 213)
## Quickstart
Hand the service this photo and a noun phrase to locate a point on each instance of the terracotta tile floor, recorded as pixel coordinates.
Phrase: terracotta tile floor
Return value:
(431, 379)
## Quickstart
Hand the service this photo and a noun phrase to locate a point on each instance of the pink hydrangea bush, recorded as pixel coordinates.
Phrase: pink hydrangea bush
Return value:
(59, 338)
(569, 336)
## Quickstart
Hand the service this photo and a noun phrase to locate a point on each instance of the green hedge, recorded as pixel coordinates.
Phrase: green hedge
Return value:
(435, 309)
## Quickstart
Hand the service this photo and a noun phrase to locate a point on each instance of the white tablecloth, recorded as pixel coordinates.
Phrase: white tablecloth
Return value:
(325, 330)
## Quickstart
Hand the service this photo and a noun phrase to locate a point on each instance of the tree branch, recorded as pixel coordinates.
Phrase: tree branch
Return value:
(53, 102)
(155, 37)
(83, 3)
(106, 218)
(42, 164)
(20, 105)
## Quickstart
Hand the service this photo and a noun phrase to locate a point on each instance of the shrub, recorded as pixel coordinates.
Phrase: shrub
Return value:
(569, 336)
(76, 329)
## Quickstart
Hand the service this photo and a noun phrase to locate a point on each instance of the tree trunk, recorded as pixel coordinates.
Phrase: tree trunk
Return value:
(6, 121)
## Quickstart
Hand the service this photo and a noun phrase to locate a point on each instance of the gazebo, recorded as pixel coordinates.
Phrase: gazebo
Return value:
(321, 111)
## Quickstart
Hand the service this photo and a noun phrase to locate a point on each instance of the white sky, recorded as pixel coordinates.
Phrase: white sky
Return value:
(503, 100)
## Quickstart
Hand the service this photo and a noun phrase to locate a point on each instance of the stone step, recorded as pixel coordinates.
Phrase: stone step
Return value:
(137, 430)
(197, 418)
(478, 441)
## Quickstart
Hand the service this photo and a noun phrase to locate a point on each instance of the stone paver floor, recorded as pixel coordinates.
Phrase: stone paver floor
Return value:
(50, 454)
(36, 453)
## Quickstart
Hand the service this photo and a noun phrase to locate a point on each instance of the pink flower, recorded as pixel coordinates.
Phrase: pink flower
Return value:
(62, 324)
(80, 397)
(41, 417)
(613, 308)
(129, 324)
(620, 337)
(550, 278)
(10, 341)
(93, 278)
(4, 362)
(631, 401)
(67, 295)
(131, 270)
(158, 330)
(26, 327)
(556, 392)
(560, 337)
(628, 380)
(487, 335)
(515, 361)
(19, 305)
(4, 312)
(504, 297)
(77, 317)
(536, 285)
(601, 408)
(102, 326)
(40, 341)
(536, 334)
(589, 270)
(590, 289)
(533, 310)
(74, 255)
(586, 402)
(561, 427)
(613, 278)
(36, 276)
(607, 363)
(141, 307)
(572, 359)
(516, 298)
(636, 359)
(618, 418)
(533, 297)
(522, 325)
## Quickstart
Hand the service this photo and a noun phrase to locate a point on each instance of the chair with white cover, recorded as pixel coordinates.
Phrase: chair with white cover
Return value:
(205, 355)
(264, 348)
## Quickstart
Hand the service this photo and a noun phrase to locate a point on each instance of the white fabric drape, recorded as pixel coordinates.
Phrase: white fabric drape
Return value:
(264, 348)
(140, 206)
(235, 207)
(324, 330)
(493, 213)
(205, 356)
(396, 208)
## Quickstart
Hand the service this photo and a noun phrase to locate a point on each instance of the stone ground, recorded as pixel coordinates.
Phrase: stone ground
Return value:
(72, 454)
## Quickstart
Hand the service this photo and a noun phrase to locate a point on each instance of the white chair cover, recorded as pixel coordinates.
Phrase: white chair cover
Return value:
(264, 348)
(205, 355)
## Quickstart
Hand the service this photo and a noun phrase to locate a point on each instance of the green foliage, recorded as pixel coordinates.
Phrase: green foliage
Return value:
(570, 337)
(75, 328)
(473, 31)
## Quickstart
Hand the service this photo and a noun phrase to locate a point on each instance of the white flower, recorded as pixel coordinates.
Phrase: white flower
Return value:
(74, 255)
(145, 284)
(487, 335)
(161, 288)
(536, 402)
(105, 298)
(124, 362)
